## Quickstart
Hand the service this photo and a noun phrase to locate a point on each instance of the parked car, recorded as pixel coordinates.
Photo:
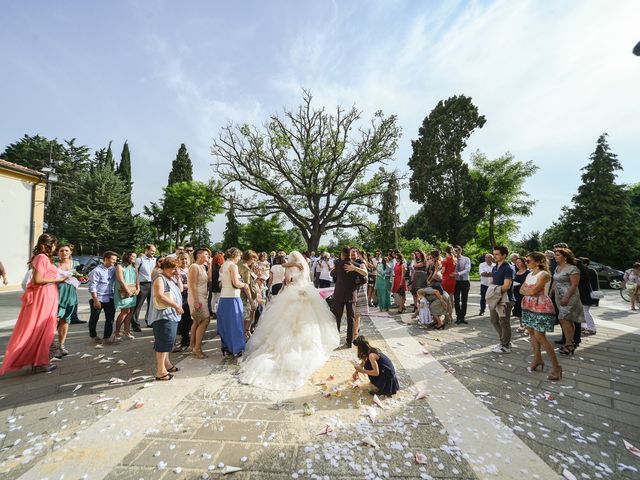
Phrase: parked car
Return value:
(607, 276)
(90, 264)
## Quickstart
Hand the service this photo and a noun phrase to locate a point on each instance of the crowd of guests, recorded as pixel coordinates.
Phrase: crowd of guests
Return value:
(184, 290)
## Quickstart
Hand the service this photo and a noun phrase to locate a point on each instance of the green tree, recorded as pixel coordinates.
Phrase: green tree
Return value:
(124, 167)
(233, 229)
(67, 159)
(504, 191)
(530, 243)
(264, 234)
(386, 232)
(99, 212)
(192, 205)
(417, 226)
(124, 172)
(441, 181)
(109, 162)
(319, 170)
(600, 223)
(145, 232)
(181, 168)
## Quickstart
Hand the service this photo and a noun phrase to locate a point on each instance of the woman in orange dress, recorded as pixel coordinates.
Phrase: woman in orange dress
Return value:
(36, 326)
(449, 271)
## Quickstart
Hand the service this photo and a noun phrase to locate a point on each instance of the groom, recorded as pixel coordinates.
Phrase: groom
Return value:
(344, 292)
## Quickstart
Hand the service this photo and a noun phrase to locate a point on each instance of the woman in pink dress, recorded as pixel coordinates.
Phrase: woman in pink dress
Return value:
(36, 326)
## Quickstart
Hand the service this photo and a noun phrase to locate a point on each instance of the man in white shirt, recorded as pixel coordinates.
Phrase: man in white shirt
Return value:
(144, 266)
(324, 265)
(486, 269)
(461, 295)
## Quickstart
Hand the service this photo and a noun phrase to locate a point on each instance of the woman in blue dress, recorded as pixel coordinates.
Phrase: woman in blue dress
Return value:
(377, 366)
(230, 315)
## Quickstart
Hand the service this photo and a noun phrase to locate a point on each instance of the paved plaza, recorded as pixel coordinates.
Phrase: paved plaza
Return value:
(463, 412)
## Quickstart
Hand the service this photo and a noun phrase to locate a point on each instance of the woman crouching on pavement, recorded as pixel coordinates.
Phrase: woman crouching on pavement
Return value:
(377, 366)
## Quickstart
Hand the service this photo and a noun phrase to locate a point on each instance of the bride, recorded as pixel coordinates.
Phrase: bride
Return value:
(294, 337)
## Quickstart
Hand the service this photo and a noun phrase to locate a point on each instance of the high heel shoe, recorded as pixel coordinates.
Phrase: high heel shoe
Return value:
(567, 350)
(534, 366)
(555, 375)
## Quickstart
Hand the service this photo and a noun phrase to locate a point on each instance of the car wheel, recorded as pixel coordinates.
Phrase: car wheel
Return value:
(615, 283)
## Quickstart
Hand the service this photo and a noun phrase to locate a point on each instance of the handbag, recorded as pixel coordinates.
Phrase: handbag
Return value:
(596, 294)
(158, 304)
(538, 304)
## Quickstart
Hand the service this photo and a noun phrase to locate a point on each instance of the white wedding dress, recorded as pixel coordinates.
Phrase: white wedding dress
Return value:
(294, 337)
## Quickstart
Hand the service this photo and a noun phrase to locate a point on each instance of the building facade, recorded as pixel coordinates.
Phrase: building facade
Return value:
(22, 197)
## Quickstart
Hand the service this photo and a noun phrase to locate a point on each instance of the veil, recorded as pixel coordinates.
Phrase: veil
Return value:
(296, 256)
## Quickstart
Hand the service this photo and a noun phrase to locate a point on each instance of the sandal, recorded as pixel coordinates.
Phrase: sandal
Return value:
(164, 378)
(173, 369)
(199, 354)
(567, 350)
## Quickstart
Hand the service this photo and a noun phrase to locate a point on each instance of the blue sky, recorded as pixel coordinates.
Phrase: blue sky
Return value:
(549, 76)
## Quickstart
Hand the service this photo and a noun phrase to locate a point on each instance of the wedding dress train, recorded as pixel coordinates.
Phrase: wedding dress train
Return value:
(294, 337)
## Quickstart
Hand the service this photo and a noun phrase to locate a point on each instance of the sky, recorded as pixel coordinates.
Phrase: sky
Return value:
(549, 77)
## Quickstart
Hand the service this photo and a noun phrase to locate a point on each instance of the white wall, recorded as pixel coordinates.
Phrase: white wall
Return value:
(15, 225)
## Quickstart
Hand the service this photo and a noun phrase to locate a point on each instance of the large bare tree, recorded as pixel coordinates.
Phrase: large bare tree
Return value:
(321, 171)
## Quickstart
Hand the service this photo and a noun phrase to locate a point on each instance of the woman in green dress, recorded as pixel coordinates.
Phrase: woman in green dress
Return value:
(383, 284)
(68, 297)
(125, 290)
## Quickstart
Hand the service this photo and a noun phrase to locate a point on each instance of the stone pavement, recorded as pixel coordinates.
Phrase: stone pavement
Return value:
(485, 416)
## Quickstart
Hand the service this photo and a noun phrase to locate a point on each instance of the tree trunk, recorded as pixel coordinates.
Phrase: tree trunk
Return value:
(492, 235)
(314, 242)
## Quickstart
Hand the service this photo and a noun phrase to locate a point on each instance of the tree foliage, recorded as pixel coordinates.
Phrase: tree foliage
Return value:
(319, 170)
(231, 235)
(100, 212)
(504, 194)
(192, 205)
(264, 234)
(386, 231)
(530, 243)
(417, 226)
(600, 223)
(69, 162)
(441, 181)
(181, 168)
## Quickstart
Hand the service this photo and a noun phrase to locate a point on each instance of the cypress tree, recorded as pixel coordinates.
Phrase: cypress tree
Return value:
(124, 168)
(182, 168)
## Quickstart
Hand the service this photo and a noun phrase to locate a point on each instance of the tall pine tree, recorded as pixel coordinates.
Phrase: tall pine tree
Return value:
(233, 230)
(182, 168)
(600, 224)
(124, 168)
(388, 221)
(124, 172)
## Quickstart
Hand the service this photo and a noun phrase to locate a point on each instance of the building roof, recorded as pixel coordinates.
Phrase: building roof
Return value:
(14, 167)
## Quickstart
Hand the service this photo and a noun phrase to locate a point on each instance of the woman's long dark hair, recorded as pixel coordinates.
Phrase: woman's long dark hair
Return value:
(364, 349)
(46, 244)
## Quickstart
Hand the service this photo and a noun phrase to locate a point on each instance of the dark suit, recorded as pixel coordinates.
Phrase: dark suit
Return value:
(343, 296)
